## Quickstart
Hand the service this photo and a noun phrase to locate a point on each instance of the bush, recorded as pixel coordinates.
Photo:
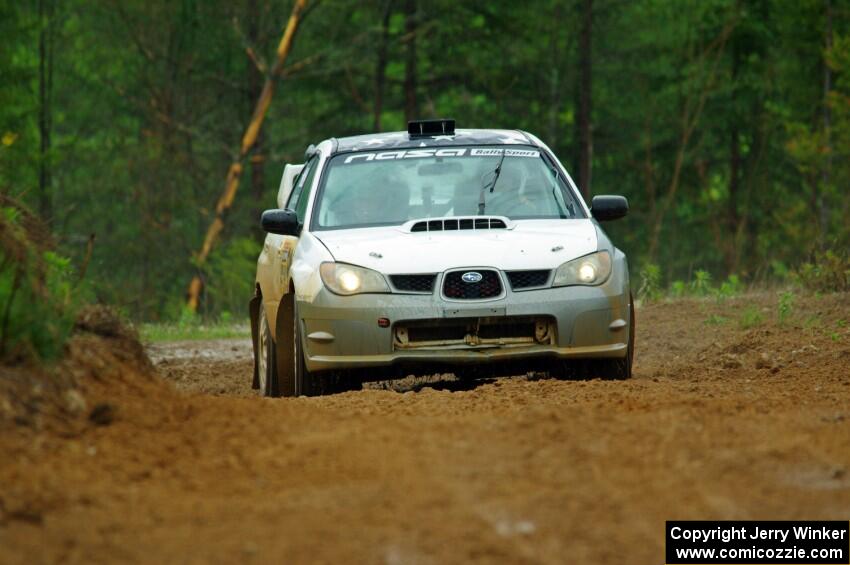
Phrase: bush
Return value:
(36, 291)
(750, 317)
(730, 287)
(829, 272)
(678, 289)
(701, 284)
(650, 288)
(786, 305)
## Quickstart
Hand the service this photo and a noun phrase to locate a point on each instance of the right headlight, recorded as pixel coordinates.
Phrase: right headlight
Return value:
(589, 270)
(346, 280)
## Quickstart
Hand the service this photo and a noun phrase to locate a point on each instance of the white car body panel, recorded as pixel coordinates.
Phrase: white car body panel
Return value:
(529, 245)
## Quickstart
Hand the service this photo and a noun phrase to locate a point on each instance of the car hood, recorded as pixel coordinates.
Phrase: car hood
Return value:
(527, 244)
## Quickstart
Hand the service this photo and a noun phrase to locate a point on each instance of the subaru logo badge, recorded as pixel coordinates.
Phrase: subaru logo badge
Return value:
(471, 277)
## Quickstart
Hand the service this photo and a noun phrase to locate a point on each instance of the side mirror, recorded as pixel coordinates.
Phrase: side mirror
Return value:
(609, 207)
(281, 222)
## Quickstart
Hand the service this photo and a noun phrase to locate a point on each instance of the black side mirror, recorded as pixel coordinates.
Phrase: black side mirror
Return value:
(609, 207)
(281, 222)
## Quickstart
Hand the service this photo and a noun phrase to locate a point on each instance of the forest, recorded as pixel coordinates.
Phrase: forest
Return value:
(572, 421)
(726, 123)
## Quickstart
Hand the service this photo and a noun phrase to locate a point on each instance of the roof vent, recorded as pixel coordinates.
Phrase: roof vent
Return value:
(424, 128)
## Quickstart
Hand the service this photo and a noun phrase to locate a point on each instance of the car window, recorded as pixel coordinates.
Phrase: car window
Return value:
(388, 188)
(305, 179)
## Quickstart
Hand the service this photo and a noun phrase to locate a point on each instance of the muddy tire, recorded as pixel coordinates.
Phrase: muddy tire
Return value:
(266, 363)
(307, 383)
(295, 379)
(621, 369)
(321, 383)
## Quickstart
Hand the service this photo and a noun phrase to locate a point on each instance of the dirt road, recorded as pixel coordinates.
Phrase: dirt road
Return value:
(720, 422)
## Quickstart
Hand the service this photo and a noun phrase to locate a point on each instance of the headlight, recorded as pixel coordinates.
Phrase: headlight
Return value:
(349, 279)
(591, 270)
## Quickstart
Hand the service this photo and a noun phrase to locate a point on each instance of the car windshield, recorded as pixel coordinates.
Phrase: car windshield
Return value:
(367, 189)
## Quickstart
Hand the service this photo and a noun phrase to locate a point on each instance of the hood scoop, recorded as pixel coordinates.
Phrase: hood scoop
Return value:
(458, 223)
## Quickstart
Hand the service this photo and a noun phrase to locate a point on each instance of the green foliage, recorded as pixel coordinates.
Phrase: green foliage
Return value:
(678, 289)
(750, 317)
(37, 299)
(829, 272)
(180, 331)
(731, 286)
(701, 283)
(230, 276)
(779, 270)
(650, 288)
(786, 305)
(715, 320)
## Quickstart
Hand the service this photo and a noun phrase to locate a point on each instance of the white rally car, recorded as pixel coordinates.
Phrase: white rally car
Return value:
(436, 250)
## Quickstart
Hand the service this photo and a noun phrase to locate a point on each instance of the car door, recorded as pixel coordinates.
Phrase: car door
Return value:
(281, 248)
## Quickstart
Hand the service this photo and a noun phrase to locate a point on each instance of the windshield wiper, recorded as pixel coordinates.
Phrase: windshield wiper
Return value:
(492, 186)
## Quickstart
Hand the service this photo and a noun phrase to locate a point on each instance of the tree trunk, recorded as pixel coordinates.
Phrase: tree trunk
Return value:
(249, 138)
(826, 172)
(554, 76)
(585, 99)
(45, 90)
(732, 218)
(255, 87)
(381, 66)
(411, 108)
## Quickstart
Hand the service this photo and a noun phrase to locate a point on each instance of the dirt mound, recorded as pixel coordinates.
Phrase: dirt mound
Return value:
(104, 377)
(61, 398)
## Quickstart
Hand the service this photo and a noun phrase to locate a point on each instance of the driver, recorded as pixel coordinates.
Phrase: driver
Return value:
(532, 200)
(382, 202)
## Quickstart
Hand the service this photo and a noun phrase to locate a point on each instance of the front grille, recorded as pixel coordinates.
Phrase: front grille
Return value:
(527, 279)
(489, 286)
(459, 224)
(414, 283)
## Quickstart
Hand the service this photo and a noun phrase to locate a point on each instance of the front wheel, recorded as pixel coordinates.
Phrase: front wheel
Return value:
(295, 379)
(289, 354)
(621, 369)
(267, 376)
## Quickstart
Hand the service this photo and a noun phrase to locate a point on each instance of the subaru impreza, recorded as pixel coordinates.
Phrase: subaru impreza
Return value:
(436, 250)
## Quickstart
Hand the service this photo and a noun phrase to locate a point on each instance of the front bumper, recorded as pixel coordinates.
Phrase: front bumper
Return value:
(342, 332)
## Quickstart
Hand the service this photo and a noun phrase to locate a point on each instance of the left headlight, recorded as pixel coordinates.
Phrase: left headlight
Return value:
(349, 279)
(590, 270)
